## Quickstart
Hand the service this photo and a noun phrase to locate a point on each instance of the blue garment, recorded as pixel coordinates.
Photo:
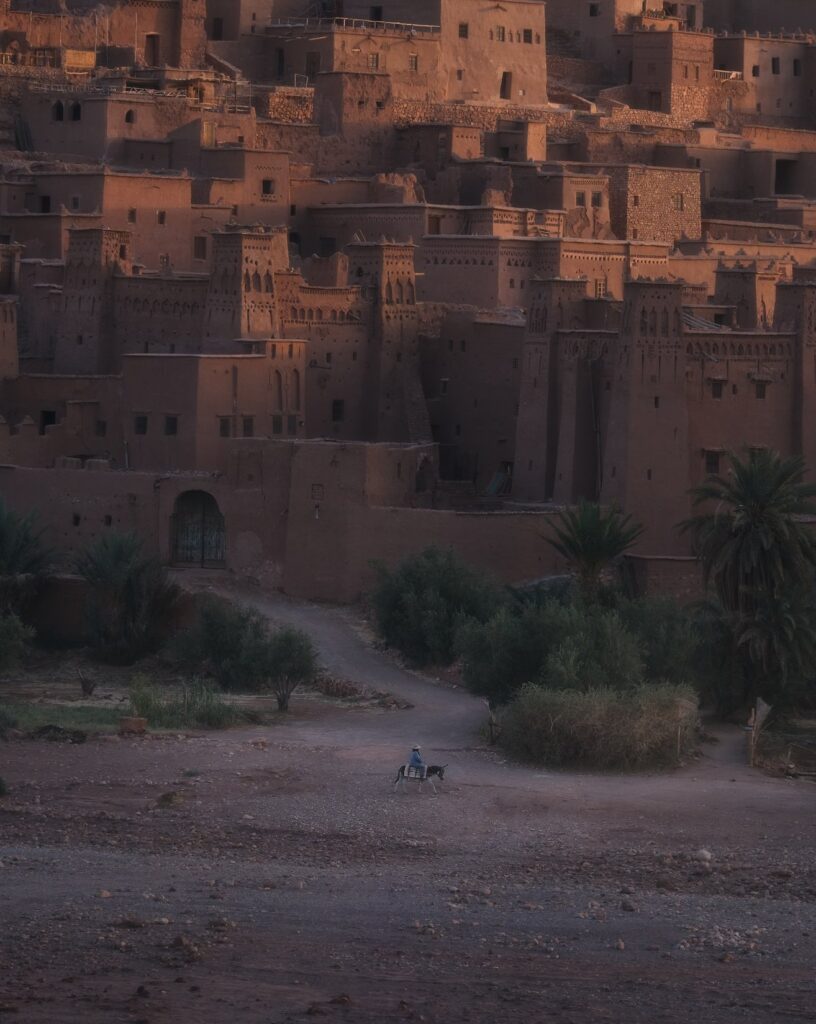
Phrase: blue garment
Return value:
(416, 760)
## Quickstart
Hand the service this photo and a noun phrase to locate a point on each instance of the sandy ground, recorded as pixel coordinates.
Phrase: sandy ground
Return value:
(269, 875)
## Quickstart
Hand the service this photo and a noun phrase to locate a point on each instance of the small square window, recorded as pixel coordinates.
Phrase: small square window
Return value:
(712, 463)
(373, 61)
(248, 426)
(580, 198)
(761, 388)
(775, 65)
(597, 200)
(678, 201)
(224, 426)
(716, 389)
(101, 428)
(413, 62)
(755, 71)
(594, 10)
(291, 424)
(74, 202)
(161, 217)
(797, 68)
(277, 424)
(268, 187)
(131, 216)
(140, 425)
(635, 200)
(171, 426)
(500, 34)
(200, 247)
(459, 74)
(463, 30)
(527, 35)
(338, 410)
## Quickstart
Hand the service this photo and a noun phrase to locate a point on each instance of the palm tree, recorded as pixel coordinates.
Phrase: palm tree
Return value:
(132, 596)
(752, 543)
(591, 539)
(22, 555)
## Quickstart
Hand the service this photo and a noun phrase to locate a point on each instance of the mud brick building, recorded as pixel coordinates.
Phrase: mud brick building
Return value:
(342, 281)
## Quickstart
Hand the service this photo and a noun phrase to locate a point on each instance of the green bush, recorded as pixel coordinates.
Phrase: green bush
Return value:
(668, 637)
(419, 606)
(197, 705)
(648, 726)
(227, 641)
(593, 649)
(565, 646)
(14, 636)
(131, 597)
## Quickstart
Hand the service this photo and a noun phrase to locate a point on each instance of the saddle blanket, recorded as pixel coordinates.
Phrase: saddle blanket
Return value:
(413, 772)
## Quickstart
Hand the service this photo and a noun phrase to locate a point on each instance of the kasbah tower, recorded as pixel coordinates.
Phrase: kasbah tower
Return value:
(346, 280)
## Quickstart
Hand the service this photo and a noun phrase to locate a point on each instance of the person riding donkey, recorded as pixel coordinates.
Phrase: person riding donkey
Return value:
(415, 760)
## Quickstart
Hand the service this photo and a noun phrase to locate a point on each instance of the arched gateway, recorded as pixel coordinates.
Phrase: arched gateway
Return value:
(198, 534)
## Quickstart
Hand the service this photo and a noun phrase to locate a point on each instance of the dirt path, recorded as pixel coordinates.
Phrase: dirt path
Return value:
(284, 879)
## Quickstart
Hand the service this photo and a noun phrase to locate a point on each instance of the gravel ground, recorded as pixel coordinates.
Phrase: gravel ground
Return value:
(273, 875)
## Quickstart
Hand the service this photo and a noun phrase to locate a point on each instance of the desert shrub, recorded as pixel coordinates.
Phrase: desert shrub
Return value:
(594, 649)
(198, 704)
(8, 720)
(648, 726)
(23, 557)
(290, 661)
(419, 606)
(667, 634)
(566, 646)
(331, 686)
(14, 636)
(131, 597)
(227, 641)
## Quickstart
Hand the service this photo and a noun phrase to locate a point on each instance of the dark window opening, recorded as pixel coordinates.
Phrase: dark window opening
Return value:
(527, 35)
(761, 388)
(797, 68)
(775, 65)
(785, 177)
(248, 426)
(338, 410)
(580, 198)
(597, 200)
(506, 87)
(712, 463)
(171, 426)
(47, 419)
(45, 204)
(463, 30)
(200, 247)
(161, 217)
(594, 10)
(131, 216)
(291, 424)
(217, 29)
(101, 428)
(376, 13)
(717, 389)
(140, 425)
(277, 424)
(130, 117)
(224, 426)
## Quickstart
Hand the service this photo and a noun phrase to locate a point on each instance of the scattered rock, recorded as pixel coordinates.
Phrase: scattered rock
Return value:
(628, 906)
(703, 856)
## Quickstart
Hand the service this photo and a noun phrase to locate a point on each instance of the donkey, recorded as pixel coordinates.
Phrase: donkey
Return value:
(437, 770)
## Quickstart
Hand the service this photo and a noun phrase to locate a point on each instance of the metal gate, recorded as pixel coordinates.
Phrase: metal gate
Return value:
(199, 536)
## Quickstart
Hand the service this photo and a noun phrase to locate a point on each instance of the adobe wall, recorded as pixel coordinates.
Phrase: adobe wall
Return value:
(678, 577)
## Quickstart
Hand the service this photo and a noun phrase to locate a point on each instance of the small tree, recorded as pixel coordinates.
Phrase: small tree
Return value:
(291, 660)
(590, 540)
(131, 596)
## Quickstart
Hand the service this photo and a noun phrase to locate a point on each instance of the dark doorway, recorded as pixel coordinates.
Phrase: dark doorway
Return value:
(506, 88)
(312, 65)
(218, 28)
(198, 533)
(655, 101)
(152, 50)
(785, 178)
